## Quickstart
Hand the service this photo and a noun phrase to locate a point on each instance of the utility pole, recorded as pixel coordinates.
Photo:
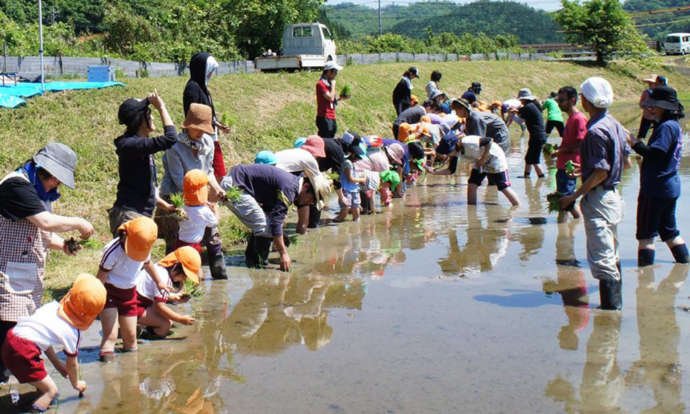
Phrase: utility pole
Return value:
(40, 44)
(380, 29)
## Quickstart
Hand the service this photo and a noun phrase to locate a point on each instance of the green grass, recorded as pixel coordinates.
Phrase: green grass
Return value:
(265, 111)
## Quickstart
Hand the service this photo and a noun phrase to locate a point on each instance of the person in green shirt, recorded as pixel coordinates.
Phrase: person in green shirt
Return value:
(554, 117)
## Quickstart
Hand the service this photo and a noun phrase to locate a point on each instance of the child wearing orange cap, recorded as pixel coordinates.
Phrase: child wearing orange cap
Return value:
(53, 325)
(122, 260)
(153, 313)
(199, 214)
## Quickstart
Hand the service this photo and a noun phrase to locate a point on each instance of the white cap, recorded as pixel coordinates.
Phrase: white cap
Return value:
(332, 64)
(598, 91)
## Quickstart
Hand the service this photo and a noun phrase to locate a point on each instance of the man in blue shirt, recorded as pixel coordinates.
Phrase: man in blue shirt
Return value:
(604, 153)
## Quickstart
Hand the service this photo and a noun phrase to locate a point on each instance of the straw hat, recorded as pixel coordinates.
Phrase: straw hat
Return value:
(141, 234)
(322, 188)
(651, 78)
(199, 117)
(83, 302)
(190, 260)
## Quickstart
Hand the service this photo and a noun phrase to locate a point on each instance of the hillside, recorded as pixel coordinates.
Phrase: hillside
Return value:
(658, 25)
(360, 20)
(265, 111)
(492, 18)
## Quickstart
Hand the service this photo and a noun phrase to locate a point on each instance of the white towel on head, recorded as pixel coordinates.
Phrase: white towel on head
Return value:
(598, 91)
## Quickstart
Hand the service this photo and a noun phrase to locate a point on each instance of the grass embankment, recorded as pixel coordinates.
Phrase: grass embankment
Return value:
(265, 111)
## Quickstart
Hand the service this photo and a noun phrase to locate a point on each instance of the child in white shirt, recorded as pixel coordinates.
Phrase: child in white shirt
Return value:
(53, 325)
(199, 214)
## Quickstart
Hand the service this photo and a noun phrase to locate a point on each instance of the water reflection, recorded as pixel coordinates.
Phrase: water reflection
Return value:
(531, 236)
(284, 310)
(658, 367)
(484, 242)
(602, 382)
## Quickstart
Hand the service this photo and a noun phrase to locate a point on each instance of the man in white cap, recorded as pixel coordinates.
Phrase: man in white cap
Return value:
(603, 152)
(327, 100)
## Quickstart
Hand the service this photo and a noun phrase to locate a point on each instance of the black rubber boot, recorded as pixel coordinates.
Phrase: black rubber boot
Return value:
(680, 253)
(216, 263)
(610, 294)
(314, 217)
(251, 257)
(645, 257)
(263, 248)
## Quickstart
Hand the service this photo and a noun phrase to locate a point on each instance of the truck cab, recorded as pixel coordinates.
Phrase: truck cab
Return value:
(308, 39)
(305, 46)
(677, 43)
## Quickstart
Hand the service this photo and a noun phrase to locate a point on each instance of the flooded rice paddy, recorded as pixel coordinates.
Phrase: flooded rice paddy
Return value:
(431, 306)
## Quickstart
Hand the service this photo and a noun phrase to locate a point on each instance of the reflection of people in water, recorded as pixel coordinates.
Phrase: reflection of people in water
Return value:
(602, 382)
(283, 310)
(658, 366)
(572, 286)
(485, 245)
(531, 237)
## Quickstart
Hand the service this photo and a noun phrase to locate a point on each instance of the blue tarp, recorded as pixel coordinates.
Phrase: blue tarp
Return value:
(10, 96)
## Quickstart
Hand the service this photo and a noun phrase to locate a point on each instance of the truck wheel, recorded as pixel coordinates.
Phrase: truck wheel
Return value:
(330, 58)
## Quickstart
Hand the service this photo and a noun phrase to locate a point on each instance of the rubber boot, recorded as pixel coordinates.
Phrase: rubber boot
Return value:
(263, 248)
(314, 217)
(610, 294)
(680, 253)
(645, 257)
(251, 257)
(216, 263)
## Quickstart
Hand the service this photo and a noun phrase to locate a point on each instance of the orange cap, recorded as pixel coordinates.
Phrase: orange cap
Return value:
(190, 260)
(404, 131)
(141, 233)
(195, 188)
(83, 302)
(414, 100)
(426, 119)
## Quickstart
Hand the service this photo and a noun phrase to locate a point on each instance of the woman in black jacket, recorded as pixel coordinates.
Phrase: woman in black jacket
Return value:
(202, 67)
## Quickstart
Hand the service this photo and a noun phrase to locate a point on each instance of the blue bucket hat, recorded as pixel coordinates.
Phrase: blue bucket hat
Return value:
(265, 157)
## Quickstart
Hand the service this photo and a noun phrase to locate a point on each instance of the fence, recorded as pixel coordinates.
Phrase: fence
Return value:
(29, 66)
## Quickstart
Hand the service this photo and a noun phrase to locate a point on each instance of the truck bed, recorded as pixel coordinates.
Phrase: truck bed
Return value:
(290, 62)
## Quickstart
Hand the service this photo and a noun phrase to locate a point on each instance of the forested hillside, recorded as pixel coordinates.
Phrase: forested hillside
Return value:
(527, 24)
(658, 25)
(168, 30)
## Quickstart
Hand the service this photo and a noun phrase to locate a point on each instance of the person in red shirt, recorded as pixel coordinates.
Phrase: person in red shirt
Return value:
(574, 132)
(327, 100)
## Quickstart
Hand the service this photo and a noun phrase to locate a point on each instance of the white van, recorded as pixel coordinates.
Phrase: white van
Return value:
(305, 45)
(677, 43)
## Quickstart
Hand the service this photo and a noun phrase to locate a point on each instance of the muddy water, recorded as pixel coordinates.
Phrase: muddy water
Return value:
(432, 306)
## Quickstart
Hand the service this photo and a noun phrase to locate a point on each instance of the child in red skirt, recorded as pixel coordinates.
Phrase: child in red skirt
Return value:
(199, 214)
(53, 325)
(152, 310)
(122, 260)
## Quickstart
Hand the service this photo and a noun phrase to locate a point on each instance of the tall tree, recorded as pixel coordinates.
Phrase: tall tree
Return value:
(601, 24)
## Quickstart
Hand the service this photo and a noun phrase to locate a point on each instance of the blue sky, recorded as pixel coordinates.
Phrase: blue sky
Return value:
(537, 4)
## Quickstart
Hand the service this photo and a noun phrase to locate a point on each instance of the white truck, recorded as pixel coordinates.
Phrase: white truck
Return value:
(677, 43)
(305, 46)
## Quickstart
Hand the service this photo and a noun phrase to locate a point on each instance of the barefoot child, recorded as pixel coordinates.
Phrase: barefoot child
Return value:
(350, 184)
(53, 325)
(199, 214)
(489, 161)
(122, 260)
(174, 269)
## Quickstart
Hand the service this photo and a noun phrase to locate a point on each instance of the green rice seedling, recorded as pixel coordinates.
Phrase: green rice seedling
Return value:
(346, 92)
(554, 204)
